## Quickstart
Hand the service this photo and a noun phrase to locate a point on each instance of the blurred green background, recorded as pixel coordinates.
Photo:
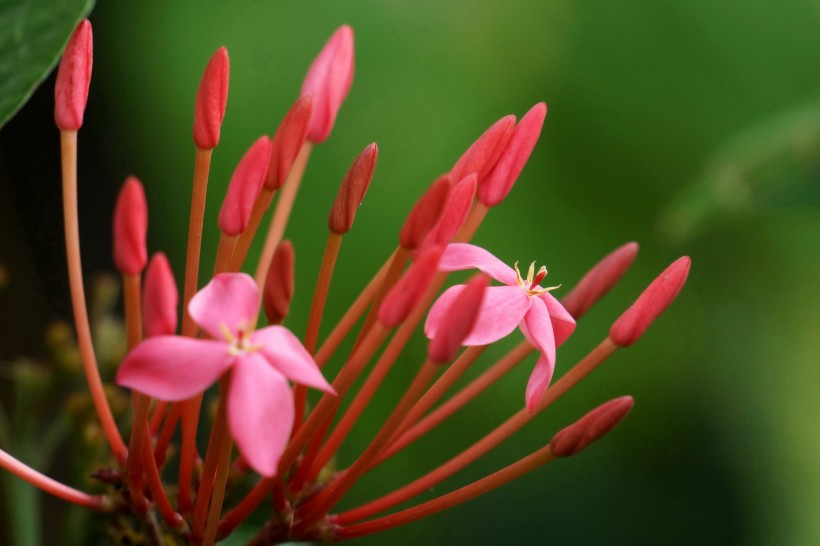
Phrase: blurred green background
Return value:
(691, 127)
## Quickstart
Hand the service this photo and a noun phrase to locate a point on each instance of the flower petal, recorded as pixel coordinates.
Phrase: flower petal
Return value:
(460, 256)
(537, 327)
(174, 368)
(230, 299)
(539, 381)
(501, 310)
(286, 353)
(562, 322)
(260, 412)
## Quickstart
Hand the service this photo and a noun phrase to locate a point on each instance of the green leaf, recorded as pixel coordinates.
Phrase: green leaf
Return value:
(32, 36)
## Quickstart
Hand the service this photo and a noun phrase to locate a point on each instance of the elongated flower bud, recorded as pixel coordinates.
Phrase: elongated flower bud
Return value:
(328, 81)
(653, 301)
(211, 100)
(279, 283)
(483, 154)
(288, 140)
(590, 427)
(74, 78)
(454, 213)
(352, 191)
(244, 188)
(159, 298)
(425, 214)
(599, 280)
(130, 228)
(408, 290)
(458, 321)
(499, 182)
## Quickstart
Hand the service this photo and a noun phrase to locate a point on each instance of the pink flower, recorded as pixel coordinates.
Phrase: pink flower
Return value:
(522, 303)
(260, 404)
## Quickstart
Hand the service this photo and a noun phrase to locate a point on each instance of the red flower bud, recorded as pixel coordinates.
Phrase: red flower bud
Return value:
(159, 298)
(458, 321)
(211, 100)
(408, 290)
(244, 188)
(454, 213)
(279, 283)
(130, 228)
(425, 214)
(499, 182)
(483, 154)
(328, 81)
(288, 140)
(650, 304)
(352, 191)
(73, 79)
(590, 427)
(599, 280)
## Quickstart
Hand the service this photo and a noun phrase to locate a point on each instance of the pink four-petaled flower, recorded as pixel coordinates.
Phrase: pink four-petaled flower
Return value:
(259, 403)
(522, 303)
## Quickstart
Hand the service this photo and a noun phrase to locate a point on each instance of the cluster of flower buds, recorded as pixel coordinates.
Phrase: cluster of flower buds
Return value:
(263, 433)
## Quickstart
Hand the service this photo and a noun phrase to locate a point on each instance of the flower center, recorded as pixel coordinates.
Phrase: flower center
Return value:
(530, 284)
(241, 343)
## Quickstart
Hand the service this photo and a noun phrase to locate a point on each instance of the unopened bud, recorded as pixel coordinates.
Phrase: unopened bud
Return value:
(408, 290)
(650, 304)
(483, 154)
(159, 298)
(458, 321)
(425, 214)
(211, 100)
(244, 188)
(352, 191)
(328, 81)
(590, 427)
(493, 189)
(599, 280)
(130, 228)
(279, 283)
(454, 213)
(74, 78)
(288, 140)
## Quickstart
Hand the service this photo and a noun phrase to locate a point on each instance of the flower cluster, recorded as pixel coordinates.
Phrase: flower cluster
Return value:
(284, 449)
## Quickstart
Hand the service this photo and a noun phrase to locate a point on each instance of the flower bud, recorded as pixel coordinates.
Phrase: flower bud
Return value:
(328, 81)
(590, 427)
(74, 78)
(599, 280)
(454, 213)
(425, 214)
(244, 188)
(130, 228)
(288, 140)
(159, 298)
(211, 100)
(408, 290)
(458, 321)
(493, 189)
(352, 191)
(483, 154)
(650, 304)
(279, 283)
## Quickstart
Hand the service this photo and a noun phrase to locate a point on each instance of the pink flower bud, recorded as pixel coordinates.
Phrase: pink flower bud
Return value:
(408, 290)
(650, 304)
(73, 79)
(279, 283)
(499, 182)
(454, 213)
(288, 140)
(328, 81)
(352, 191)
(211, 100)
(159, 298)
(590, 427)
(425, 214)
(483, 154)
(458, 321)
(244, 188)
(130, 228)
(599, 280)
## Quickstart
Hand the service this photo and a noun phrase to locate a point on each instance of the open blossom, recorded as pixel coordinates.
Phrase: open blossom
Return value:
(175, 368)
(521, 303)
